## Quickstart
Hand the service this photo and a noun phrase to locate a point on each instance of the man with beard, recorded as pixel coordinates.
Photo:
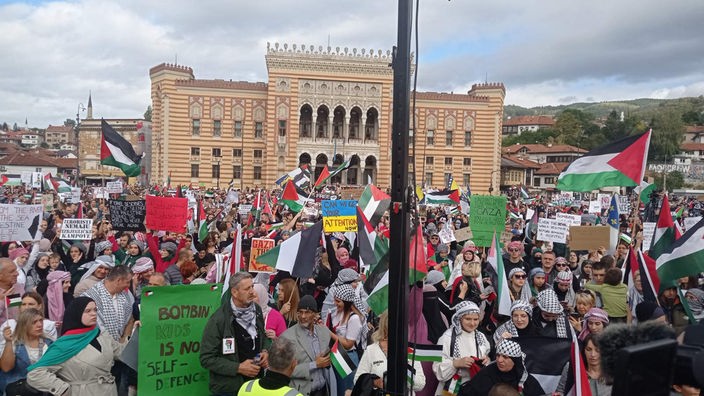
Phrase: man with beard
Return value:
(97, 272)
(548, 317)
(310, 341)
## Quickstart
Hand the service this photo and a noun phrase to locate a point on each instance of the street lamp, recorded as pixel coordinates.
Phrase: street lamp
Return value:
(78, 140)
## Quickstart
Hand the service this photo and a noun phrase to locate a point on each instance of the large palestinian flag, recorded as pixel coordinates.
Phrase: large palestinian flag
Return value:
(620, 163)
(684, 257)
(118, 152)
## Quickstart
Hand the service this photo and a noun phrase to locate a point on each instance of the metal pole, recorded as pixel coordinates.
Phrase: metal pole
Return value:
(399, 241)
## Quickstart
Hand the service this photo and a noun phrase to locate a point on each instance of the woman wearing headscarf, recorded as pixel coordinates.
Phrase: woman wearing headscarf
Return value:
(57, 294)
(40, 269)
(594, 323)
(536, 281)
(464, 349)
(509, 368)
(563, 288)
(274, 322)
(346, 331)
(79, 362)
(468, 285)
(520, 324)
(518, 286)
(436, 307)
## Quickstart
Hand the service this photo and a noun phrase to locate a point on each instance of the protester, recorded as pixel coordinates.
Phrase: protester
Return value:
(97, 271)
(22, 347)
(613, 294)
(346, 329)
(548, 317)
(287, 301)
(8, 287)
(520, 323)
(274, 323)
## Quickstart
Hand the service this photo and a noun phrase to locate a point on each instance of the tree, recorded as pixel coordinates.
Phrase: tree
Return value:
(148, 113)
(692, 117)
(44, 145)
(668, 133)
(70, 122)
(15, 127)
(675, 180)
(5, 127)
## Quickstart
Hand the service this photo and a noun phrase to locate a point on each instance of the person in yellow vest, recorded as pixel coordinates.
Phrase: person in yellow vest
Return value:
(275, 382)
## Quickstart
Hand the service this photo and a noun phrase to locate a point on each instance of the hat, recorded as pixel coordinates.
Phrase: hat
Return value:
(168, 246)
(308, 302)
(648, 310)
(18, 252)
(515, 245)
(434, 277)
(560, 260)
(522, 305)
(107, 260)
(515, 271)
(344, 292)
(442, 248)
(44, 245)
(548, 302)
(80, 246)
(347, 275)
(142, 265)
(536, 271)
(509, 348)
(597, 314)
(137, 243)
(564, 277)
(101, 246)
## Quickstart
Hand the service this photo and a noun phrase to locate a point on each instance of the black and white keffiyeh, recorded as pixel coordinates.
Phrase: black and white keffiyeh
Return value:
(345, 293)
(522, 305)
(113, 316)
(549, 302)
(247, 318)
(462, 309)
(513, 350)
(509, 326)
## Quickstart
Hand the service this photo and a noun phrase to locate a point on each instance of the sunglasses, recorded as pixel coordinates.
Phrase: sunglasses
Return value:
(519, 276)
(514, 250)
(561, 265)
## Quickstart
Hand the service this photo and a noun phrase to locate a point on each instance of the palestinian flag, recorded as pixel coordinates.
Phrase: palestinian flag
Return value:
(202, 223)
(497, 263)
(620, 163)
(325, 175)
(13, 300)
(10, 180)
(524, 193)
(378, 299)
(235, 258)
(417, 258)
(291, 198)
(373, 251)
(447, 197)
(664, 235)
(685, 257)
(649, 278)
(374, 203)
(436, 259)
(296, 254)
(341, 362)
(579, 373)
(424, 352)
(300, 176)
(116, 151)
(545, 359)
(644, 190)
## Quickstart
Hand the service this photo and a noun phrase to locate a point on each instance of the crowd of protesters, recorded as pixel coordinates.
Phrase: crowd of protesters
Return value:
(80, 302)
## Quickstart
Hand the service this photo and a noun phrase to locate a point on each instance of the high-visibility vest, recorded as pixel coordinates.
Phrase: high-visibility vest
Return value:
(252, 388)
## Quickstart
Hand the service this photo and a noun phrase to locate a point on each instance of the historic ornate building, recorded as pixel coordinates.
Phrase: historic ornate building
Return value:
(320, 106)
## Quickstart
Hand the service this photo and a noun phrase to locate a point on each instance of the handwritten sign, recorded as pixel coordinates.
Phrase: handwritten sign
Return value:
(48, 201)
(648, 233)
(173, 319)
(487, 215)
(446, 235)
(100, 193)
(166, 213)
(75, 195)
(552, 230)
(77, 229)
(463, 234)
(127, 215)
(604, 200)
(595, 207)
(589, 237)
(19, 222)
(259, 246)
(570, 219)
(339, 216)
(114, 187)
(624, 204)
(244, 209)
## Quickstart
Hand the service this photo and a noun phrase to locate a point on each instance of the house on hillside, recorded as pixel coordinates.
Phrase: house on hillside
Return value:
(550, 159)
(519, 124)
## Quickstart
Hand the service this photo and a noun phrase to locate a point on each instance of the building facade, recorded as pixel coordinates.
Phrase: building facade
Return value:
(56, 136)
(519, 124)
(319, 107)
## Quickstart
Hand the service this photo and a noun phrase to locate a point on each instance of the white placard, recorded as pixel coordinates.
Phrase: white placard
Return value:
(446, 235)
(648, 232)
(595, 207)
(77, 229)
(100, 192)
(624, 205)
(529, 214)
(570, 219)
(19, 222)
(114, 187)
(37, 179)
(604, 200)
(26, 178)
(552, 230)
(244, 209)
(75, 196)
(690, 222)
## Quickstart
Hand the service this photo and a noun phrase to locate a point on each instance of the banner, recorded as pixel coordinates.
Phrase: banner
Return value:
(487, 215)
(259, 246)
(339, 216)
(463, 234)
(589, 237)
(48, 201)
(77, 229)
(19, 222)
(166, 213)
(552, 230)
(173, 319)
(100, 193)
(127, 215)
(570, 219)
(114, 187)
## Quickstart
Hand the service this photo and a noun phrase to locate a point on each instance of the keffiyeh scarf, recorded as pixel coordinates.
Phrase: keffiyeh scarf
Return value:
(247, 318)
(112, 317)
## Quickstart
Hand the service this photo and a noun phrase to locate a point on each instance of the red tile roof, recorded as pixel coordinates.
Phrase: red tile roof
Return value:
(695, 128)
(551, 168)
(529, 120)
(692, 146)
(520, 162)
(39, 157)
(59, 128)
(543, 149)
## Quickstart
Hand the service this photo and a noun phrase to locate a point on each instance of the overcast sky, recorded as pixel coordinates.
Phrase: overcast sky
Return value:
(546, 52)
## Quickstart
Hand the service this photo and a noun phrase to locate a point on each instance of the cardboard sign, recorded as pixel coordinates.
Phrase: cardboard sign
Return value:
(173, 319)
(339, 215)
(446, 235)
(127, 215)
(487, 215)
(166, 213)
(648, 233)
(259, 246)
(77, 229)
(114, 187)
(244, 209)
(463, 234)
(570, 219)
(589, 237)
(552, 230)
(19, 222)
(48, 201)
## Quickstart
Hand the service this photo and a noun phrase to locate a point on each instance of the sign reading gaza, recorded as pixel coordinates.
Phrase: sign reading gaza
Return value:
(173, 319)
(339, 215)
(127, 215)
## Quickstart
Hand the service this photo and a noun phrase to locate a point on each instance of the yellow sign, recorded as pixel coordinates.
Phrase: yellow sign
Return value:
(340, 224)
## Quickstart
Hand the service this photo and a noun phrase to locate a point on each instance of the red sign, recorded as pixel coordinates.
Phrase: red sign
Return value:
(167, 213)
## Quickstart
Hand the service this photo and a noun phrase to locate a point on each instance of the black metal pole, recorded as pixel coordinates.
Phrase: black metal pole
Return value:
(399, 241)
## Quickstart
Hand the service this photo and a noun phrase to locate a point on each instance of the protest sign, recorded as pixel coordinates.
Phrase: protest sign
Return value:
(339, 216)
(19, 222)
(463, 234)
(26, 178)
(570, 219)
(37, 179)
(446, 235)
(48, 201)
(75, 195)
(114, 187)
(259, 246)
(77, 229)
(589, 237)
(604, 200)
(173, 319)
(552, 230)
(167, 213)
(689, 222)
(100, 193)
(127, 215)
(595, 207)
(488, 215)
(648, 233)
(244, 209)
(624, 204)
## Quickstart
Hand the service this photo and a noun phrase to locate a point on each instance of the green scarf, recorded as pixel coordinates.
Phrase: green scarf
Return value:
(66, 347)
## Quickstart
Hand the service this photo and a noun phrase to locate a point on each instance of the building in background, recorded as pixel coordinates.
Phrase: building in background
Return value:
(56, 136)
(519, 124)
(319, 107)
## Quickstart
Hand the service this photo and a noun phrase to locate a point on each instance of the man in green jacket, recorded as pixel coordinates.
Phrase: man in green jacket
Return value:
(234, 344)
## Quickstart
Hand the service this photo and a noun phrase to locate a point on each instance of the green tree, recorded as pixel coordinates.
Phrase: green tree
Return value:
(668, 133)
(675, 180)
(541, 136)
(692, 117)
(70, 122)
(5, 127)
(15, 127)
(44, 145)
(148, 113)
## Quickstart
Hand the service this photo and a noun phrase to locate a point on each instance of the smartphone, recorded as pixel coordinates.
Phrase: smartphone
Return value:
(575, 315)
